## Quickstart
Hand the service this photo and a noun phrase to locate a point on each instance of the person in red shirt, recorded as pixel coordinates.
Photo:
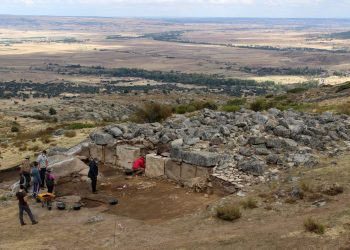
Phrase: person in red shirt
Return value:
(139, 166)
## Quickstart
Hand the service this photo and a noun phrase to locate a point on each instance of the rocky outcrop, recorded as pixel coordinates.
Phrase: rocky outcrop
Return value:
(238, 147)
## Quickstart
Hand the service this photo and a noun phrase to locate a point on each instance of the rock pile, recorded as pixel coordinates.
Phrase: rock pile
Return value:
(240, 146)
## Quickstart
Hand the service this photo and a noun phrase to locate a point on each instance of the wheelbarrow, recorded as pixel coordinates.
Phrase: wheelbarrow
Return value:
(46, 199)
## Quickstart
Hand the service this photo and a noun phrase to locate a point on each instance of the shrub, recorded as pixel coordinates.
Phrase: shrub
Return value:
(75, 126)
(231, 108)
(70, 133)
(185, 108)
(313, 226)
(3, 198)
(34, 148)
(228, 212)
(250, 203)
(237, 101)
(296, 90)
(332, 190)
(344, 108)
(259, 105)
(306, 187)
(45, 138)
(343, 87)
(52, 111)
(194, 106)
(152, 112)
(14, 129)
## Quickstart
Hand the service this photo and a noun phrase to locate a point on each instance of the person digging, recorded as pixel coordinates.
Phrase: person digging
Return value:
(139, 165)
(23, 206)
(93, 173)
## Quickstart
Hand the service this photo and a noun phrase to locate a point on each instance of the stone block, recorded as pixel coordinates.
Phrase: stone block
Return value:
(172, 170)
(110, 154)
(63, 166)
(96, 151)
(202, 172)
(200, 158)
(101, 138)
(188, 171)
(155, 165)
(126, 155)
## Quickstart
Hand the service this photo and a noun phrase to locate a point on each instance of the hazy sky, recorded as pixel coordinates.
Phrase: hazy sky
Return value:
(180, 8)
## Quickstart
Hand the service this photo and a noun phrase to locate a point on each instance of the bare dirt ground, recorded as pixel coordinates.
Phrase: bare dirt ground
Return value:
(152, 218)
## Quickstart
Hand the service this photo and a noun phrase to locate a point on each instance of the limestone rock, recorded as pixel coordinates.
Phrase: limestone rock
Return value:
(101, 138)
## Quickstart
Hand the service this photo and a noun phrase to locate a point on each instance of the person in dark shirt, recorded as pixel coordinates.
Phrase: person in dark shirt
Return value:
(93, 173)
(23, 206)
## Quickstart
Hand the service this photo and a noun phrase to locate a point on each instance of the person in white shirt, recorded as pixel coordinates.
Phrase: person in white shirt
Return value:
(43, 164)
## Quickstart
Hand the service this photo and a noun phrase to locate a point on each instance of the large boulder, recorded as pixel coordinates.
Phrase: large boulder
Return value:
(63, 166)
(115, 131)
(252, 166)
(198, 158)
(281, 131)
(101, 138)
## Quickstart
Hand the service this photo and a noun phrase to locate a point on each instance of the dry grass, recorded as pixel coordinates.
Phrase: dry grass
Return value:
(70, 133)
(313, 226)
(152, 112)
(332, 190)
(228, 212)
(249, 203)
(306, 187)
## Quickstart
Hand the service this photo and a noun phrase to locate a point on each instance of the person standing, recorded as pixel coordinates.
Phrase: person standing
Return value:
(43, 164)
(93, 173)
(25, 173)
(36, 179)
(50, 180)
(23, 206)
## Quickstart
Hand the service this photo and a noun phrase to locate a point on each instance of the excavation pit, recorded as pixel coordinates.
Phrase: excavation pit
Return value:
(141, 198)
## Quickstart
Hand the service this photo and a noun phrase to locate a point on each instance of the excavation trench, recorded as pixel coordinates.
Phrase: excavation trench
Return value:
(141, 198)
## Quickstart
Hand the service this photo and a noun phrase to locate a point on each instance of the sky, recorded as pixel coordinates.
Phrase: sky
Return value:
(180, 8)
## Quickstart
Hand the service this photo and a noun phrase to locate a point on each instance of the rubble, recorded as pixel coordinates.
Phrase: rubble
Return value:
(236, 148)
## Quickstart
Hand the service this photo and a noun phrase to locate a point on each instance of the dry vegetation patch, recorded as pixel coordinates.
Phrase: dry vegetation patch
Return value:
(314, 226)
(249, 203)
(228, 212)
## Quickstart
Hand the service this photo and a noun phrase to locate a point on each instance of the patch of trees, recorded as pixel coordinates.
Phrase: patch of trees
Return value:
(10, 90)
(263, 71)
(340, 35)
(217, 83)
(288, 49)
(169, 36)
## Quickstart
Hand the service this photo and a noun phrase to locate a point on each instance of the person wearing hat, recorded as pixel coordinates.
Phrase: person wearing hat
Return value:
(50, 180)
(25, 173)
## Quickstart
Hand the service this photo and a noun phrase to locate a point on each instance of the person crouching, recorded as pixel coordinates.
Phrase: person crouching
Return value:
(138, 167)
